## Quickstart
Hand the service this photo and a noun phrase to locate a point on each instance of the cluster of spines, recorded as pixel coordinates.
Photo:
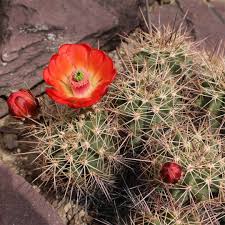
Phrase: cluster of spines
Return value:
(80, 151)
(199, 152)
(165, 212)
(172, 105)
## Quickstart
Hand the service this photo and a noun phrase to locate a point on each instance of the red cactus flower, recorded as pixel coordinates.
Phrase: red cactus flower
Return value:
(78, 75)
(22, 104)
(171, 172)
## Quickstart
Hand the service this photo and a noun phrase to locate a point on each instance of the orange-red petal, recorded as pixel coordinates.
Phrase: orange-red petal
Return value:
(64, 67)
(96, 58)
(92, 99)
(78, 54)
(75, 102)
(63, 48)
(60, 84)
(47, 77)
(106, 71)
(57, 96)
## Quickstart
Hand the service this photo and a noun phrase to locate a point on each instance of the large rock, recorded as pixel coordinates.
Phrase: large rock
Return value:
(20, 204)
(166, 15)
(3, 107)
(201, 20)
(207, 20)
(33, 30)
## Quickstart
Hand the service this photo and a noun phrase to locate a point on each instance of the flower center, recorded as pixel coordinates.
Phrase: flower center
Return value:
(80, 83)
(78, 76)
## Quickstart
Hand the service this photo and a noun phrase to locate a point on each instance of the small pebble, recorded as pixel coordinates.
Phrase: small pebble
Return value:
(10, 141)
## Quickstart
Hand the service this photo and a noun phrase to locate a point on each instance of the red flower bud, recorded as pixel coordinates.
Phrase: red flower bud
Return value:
(22, 104)
(171, 172)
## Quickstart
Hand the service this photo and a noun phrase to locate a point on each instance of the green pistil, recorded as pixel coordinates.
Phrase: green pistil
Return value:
(78, 76)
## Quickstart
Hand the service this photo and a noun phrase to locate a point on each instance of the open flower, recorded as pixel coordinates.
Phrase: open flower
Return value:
(79, 75)
(23, 104)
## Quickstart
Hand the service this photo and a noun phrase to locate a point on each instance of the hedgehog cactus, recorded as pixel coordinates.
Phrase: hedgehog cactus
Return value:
(171, 217)
(172, 102)
(165, 213)
(79, 152)
(211, 100)
(165, 105)
(147, 100)
(156, 89)
(200, 153)
(186, 78)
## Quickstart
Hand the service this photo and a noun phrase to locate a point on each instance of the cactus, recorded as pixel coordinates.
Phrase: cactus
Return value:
(165, 213)
(147, 97)
(157, 89)
(199, 152)
(152, 98)
(169, 60)
(211, 100)
(78, 151)
(166, 105)
(172, 105)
